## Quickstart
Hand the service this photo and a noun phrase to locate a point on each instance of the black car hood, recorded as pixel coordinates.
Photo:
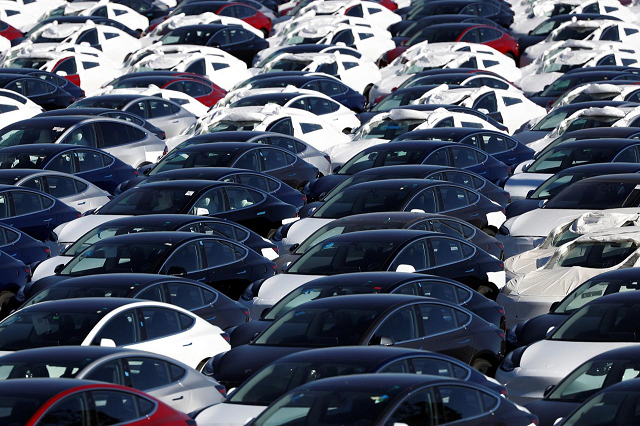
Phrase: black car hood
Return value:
(536, 328)
(244, 333)
(324, 185)
(519, 207)
(549, 411)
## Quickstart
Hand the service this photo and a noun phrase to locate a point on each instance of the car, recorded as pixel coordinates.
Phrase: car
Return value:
(365, 320)
(47, 95)
(534, 329)
(172, 382)
(400, 195)
(22, 247)
(410, 395)
(120, 13)
(577, 339)
(400, 250)
(90, 164)
(593, 133)
(128, 142)
(83, 19)
(106, 112)
(114, 322)
(403, 30)
(562, 179)
(221, 36)
(200, 299)
(151, 9)
(156, 223)
(280, 163)
(46, 401)
(162, 113)
(261, 181)
(222, 263)
(50, 77)
(325, 187)
(502, 147)
(568, 154)
(241, 10)
(319, 82)
(462, 77)
(369, 282)
(78, 193)
(269, 383)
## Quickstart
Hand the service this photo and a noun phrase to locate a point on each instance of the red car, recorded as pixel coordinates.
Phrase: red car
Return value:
(471, 33)
(8, 32)
(58, 402)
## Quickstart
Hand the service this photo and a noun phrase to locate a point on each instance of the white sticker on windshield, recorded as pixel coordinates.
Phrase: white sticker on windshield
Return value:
(188, 193)
(58, 129)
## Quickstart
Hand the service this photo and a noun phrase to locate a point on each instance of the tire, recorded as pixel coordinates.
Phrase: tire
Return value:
(487, 292)
(489, 231)
(5, 300)
(483, 366)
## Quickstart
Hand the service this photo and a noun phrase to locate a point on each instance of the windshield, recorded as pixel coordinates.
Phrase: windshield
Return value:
(277, 379)
(395, 100)
(592, 195)
(387, 129)
(287, 65)
(28, 62)
(601, 322)
(560, 158)
(607, 408)
(367, 159)
(334, 407)
(552, 120)
(545, 28)
(226, 126)
(145, 200)
(105, 258)
(434, 35)
(343, 257)
(106, 231)
(558, 87)
(593, 289)
(555, 184)
(187, 160)
(257, 101)
(30, 132)
(319, 327)
(572, 33)
(43, 369)
(596, 255)
(593, 376)
(25, 330)
(357, 201)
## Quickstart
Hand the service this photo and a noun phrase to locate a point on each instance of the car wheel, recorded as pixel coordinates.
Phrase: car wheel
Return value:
(489, 231)
(5, 299)
(202, 364)
(486, 291)
(483, 366)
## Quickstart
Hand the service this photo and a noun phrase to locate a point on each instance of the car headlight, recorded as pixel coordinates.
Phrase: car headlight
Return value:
(512, 360)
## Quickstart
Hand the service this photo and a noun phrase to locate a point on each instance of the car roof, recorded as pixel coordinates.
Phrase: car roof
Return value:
(170, 221)
(393, 236)
(199, 173)
(615, 143)
(18, 174)
(458, 132)
(221, 146)
(167, 238)
(118, 96)
(42, 148)
(399, 218)
(125, 280)
(62, 121)
(87, 304)
(210, 27)
(426, 145)
(416, 170)
(66, 353)
(379, 302)
(412, 185)
(383, 280)
(364, 356)
(611, 132)
(624, 273)
(78, 111)
(604, 168)
(192, 184)
(621, 177)
(46, 388)
(233, 136)
(453, 25)
(278, 96)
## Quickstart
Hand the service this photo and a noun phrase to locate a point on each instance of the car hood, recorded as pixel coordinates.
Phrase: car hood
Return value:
(233, 414)
(528, 261)
(556, 282)
(529, 136)
(303, 228)
(282, 284)
(70, 232)
(343, 152)
(549, 411)
(539, 222)
(520, 184)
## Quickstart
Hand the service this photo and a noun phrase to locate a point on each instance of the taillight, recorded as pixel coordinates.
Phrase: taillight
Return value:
(304, 198)
(501, 265)
(226, 337)
(165, 150)
(222, 390)
(275, 248)
(501, 334)
(274, 267)
(508, 169)
(137, 173)
(47, 250)
(500, 245)
(326, 157)
(78, 214)
(501, 310)
(27, 270)
(163, 135)
(503, 392)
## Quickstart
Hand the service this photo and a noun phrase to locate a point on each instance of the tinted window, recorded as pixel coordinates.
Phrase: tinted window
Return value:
(437, 319)
(220, 253)
(464, 403)
(26, 202)
(71, 411)
(420, 409)
(160, 322)
(114, 134)
(110, 372)
(184, 260)
(416, 255)
(122, 329)
(185, 295)
(113, 407)
(400, 326)
(60, 186)
(425, 201)
(148, 373)
(89, 160)
(84, 135)
(453, 198)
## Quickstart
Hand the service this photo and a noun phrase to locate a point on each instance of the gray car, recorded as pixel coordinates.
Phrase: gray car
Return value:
(171, 381)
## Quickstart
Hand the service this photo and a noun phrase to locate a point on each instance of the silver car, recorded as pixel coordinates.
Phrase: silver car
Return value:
(172, 382)
(126, 141)
(71, 190)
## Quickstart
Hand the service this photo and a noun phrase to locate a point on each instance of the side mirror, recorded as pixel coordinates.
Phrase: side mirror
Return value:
(146, 169)
(550, 330)
(201, 211)
(417, 211)
(530, 193)
(336, 169)
(293, 247)
(61, 73)
(285, 266)
(553, 307)
(548, 390)
(386, 341)
(58, 268)
(107, 343)
(405, 268)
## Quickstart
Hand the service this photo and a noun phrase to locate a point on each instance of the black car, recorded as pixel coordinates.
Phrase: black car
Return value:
(403, 30)
(151, 9)
(202, 300)
(250, 178)
(233, 39)
(594, 133)
(379, 399)
(413, 195)
(471, 78)
(556, 183)
(249, 207)
(600, 372)
(168, 222)
(363, 320)
(300, 368)
(306, 48)
(155, 73)
(391, 220)
(272, 160)
(52, 78)
(106, 112)
(534, 329)
(330, 86)
(494, 10)
(93, 165)
(569, 80)
(327, 186)
(219, 262)
(501, 147)
(48, 95)
(371, 282)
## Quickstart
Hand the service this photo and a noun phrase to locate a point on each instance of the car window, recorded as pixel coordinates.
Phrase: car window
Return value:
(89, 160)
(123, 329)
(210, 203)
(438, 367)
(39, 87)
(26, 202)
(114, 407)
(273, 159)
(462, 403)
(463, 157)
(185, 295)
(438, 157)
(68, 66)
(447, 227)
(399, 326)
(453, 198)
(62, 163)
(331, 88)
(114, 134)
(197, 67)
(160, 322)
(152, 293)
(415, 254)
(84, 135)
(401, 367)
(61, 187)
(220, 253)
(74, 410)
(283, 126)
(4, 207)
(437, 319)
(109, 372)
(439, 290)
(148, 373)
(240, 198)
(159, 108)
(254, 181)
(184, 260)
(419, 409)
(447, 250)
(425, 201)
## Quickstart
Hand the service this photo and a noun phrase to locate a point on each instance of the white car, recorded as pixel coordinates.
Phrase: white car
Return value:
(372, 12)
(388, 125)
(115, 322)
(17, 15)
(119, 13)
(514, 108)
(12, 110)
(569, 266)
(595, 91)
(604, 324)
(359, 74)
(71, 190)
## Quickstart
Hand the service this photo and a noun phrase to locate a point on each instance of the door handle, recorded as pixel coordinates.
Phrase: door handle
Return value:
(108, 176)
(511, 159)
(201, 279)
(475, 215)
(175, 121)
(470, 270)
(465, 341)
(82, 203)
(482, 173)
(188, 344)
(178, 399)
(48, 220)
(242, 272)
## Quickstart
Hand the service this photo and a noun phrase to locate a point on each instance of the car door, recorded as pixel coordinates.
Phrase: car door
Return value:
(226, 272)
(187, 261)
(454, 259)
(399, 328)
(32, 213)
(444, 329)
(194, 298)
(166, 116)
(461, 203)
(66, 190)
(439, 157)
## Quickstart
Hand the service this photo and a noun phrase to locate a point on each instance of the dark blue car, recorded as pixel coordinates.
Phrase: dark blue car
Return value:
(501, 147)
(48, 95)
(52, 78)
(21, 246)
(93, 165)
(14, 275)
(33, 212)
